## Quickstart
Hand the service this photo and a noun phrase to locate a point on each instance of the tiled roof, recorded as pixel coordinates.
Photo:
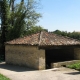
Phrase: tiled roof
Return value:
(28, 40)
(45, 38)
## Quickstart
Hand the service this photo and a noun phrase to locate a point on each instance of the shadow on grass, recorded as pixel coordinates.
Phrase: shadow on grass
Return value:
(3, 65)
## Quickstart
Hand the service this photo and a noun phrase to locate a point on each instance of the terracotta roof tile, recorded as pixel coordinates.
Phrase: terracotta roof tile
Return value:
(45, 38)
(28, 40)
(54, 39)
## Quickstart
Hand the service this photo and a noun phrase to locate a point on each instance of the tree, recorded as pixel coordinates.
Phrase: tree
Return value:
(75, 35)
(34, 29)
(57, 32)
(17, 19)
(4, 19)
(21, 18)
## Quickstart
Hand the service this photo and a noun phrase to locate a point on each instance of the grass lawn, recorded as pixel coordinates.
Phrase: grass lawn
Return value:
(3, 77)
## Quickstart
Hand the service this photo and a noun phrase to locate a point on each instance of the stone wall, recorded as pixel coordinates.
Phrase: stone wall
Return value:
(64, 63)
(24, 55)
(77, 53)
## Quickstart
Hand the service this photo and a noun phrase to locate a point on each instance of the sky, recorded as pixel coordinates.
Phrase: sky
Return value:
(63, 15)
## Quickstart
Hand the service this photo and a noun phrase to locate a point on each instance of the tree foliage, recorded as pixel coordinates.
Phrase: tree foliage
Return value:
(18, 19)
(21, 18)
(75, 35)
(4, 19)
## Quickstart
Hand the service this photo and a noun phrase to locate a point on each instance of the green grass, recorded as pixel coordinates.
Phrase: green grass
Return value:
(2, 77)
(74, 66)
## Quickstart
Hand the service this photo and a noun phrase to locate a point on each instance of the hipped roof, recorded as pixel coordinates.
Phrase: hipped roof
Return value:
(45, 39)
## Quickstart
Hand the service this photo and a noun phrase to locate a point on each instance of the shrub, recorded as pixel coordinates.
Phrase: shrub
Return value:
(74, 66)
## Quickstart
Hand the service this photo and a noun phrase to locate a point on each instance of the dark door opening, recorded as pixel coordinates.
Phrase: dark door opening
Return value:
(58, 55)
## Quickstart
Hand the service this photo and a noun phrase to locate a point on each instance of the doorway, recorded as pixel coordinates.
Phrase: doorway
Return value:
(58, 55)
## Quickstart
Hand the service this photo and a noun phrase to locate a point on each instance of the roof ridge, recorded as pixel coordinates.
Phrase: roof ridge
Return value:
(40, 37)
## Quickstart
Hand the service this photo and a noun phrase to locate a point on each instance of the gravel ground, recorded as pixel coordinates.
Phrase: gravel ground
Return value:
(23, 73)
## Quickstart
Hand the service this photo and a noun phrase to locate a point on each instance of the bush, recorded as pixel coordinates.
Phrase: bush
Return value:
(74, 66)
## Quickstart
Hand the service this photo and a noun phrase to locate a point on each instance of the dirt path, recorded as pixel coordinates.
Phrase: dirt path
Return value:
(23, 73)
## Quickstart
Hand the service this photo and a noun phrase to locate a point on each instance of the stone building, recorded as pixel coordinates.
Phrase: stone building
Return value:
(41, 50)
